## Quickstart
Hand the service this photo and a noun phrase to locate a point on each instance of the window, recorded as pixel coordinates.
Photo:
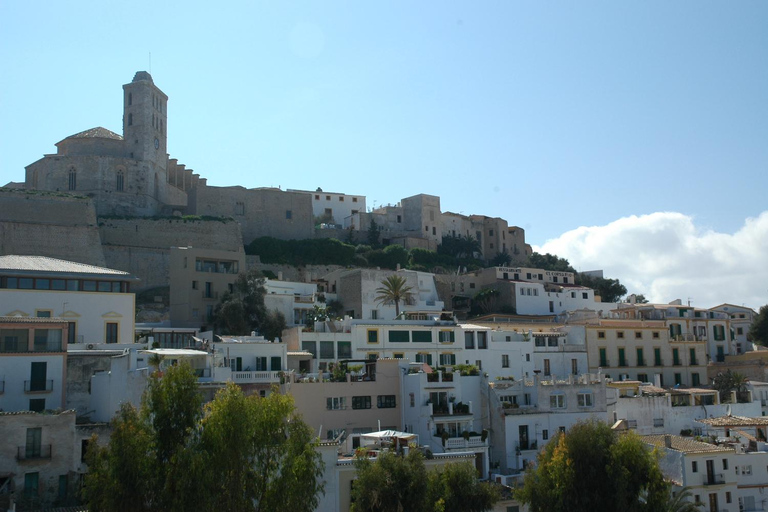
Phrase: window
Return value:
(545, 434)
(413, 399)
(326, 350)
(693, 357)
(658, 422)
(584, 295)
(640, 358)
(601, 335)
(585, 399)
(695, 379)
(655, 335)
(288, 214)
(422, 336)
(678, 379)
(361, 402)
(63, 486)
(620, 334)
(239, 208)
(547, 370)
(72, 183)
(37, 404)
(505, 361)
(657, 357)
(373, 335)
(642, 377)
(33, 446)
(622, 359)
(638, 335)
(399, 336)
(120, 181)
(398, 355)
(694, 466)
(603, 358)
(482, 340)
(386, 401)
(311, 347)
(447, 359)
(557, 401)
(31, 483)
(725, 464)
(345, 350)
(341, 199)
(727, 496)
(675, 357)
(719, 333)
(336, 403)
(111, 332)
(354, 199)
(469, 339)
(445, 337)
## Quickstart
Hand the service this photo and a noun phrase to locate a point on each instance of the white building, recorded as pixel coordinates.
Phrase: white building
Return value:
(741, 321)
(333, 208)
(294, 300)
(96, 302)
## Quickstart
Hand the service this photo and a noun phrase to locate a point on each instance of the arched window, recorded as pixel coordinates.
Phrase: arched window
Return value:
(120, 180)
(72, 185)
(130, 98)
(130, 119)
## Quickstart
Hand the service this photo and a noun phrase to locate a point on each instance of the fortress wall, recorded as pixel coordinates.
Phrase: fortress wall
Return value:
(171, 232)
(151, 265)
(53, 225)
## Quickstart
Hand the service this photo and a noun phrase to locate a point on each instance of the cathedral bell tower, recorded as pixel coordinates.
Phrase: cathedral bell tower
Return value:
(145, 120)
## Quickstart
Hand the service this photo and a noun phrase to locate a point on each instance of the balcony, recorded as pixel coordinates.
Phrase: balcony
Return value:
(211, 295)
(34, 452)
(38, 386)
(459, 443)
(304, 299)
(450, 409)
(714, 479)
(256, 377)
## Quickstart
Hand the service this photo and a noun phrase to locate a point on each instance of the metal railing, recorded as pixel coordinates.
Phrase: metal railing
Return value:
(38, 386)
(714, 479)
(32, 452)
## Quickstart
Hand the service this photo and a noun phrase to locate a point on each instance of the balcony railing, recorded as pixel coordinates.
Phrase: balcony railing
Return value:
(34, 452)
(202, 373)
(256, 377)
(459, 443)
(38, 386)
(304, 299)
(714, 479)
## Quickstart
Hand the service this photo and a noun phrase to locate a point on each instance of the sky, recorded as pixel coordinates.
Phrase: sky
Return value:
(626, 136)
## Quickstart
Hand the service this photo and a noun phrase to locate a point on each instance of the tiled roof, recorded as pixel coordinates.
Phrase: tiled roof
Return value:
(96, 133)
(46, 264)
(735, 421)
(683, 444)
(31, 320)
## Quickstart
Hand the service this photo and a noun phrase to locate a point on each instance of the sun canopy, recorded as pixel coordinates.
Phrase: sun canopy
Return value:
(388, 434)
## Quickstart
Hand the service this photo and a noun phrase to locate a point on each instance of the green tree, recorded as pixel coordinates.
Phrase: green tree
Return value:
(485, 301)
(393, 289)
(390, 484)
(609, 290)
(727, 381)
(119, 474)
(575, 469)
(640, 299)
(682, 501)
(256, 456)
(273, 325)
(242, 310)
(395, 483)
(758, 332)
(373, 233)
(456, 488)
(502, 259)
(549, 262)
(240, 453)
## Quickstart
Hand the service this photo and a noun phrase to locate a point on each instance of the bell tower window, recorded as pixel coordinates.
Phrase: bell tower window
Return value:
(72, 184)
(120, 181)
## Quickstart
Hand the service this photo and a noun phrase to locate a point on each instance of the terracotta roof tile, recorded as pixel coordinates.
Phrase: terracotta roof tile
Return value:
(683, 444)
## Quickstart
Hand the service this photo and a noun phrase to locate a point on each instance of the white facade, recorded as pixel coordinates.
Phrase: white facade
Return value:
(17, 376)
(294, 300)
(333, 207)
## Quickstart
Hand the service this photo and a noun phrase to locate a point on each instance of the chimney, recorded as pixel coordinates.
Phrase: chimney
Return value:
(668, 441)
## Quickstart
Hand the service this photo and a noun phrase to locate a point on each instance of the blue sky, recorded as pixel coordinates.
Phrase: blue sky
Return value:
(552, 115)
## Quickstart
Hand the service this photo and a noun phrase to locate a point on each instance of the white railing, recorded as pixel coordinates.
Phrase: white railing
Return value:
(454, 443)
(256, 377)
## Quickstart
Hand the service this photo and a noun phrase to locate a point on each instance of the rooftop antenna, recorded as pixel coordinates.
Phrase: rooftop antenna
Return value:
(689, 301)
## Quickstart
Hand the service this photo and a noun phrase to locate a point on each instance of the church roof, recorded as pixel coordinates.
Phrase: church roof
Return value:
(96, 133)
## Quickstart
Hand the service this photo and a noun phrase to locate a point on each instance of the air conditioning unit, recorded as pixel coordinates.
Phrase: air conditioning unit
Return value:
(90, 346)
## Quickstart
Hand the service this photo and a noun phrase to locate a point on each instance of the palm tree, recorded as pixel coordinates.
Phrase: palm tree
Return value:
(681, 502)
(393, 289)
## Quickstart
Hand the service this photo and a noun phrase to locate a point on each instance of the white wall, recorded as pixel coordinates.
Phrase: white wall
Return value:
(15, 369)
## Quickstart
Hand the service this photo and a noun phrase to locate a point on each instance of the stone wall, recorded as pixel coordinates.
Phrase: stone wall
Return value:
(142, 246)
(54, 225)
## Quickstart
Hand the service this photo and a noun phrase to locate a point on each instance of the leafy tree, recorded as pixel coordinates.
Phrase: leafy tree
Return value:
(725, 382)
(460, 246)
(575, 469)
(242, 310)
(334, 308)
(240, 453)
(257, 457)
(485, 301)
(393, 289)
(456, 489)
(681, 502)
(502, 259)
(395, 483)
(373, 233)
(758, 332)
(640, 299)
(549, 262)
(610, 290)
(273, 325)
(118, 472)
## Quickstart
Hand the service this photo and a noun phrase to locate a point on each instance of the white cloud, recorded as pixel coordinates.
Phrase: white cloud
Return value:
(665, 256)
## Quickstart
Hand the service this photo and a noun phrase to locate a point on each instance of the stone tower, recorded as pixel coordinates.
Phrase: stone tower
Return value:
(145, 120)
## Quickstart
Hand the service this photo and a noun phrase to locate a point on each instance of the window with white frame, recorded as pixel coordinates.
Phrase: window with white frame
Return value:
(585, 399)
(557, 401)
(505, 360)
(336, 403)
